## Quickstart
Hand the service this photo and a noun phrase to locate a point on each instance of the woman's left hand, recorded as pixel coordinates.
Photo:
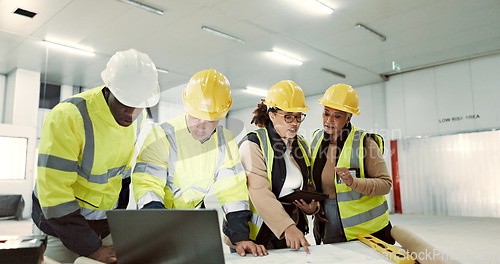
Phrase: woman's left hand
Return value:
(308, 208)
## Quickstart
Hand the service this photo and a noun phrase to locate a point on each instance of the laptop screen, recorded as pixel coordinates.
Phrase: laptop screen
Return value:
(166, 236)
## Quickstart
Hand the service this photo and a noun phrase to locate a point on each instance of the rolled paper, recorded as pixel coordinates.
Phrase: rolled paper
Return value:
(424, 252)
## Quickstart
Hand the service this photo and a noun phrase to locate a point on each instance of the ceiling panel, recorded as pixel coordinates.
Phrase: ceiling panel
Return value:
(17, 24)
(419, 34)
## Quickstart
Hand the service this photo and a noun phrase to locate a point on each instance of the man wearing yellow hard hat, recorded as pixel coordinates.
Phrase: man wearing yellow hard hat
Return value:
(84, 158)
(182, 159)
(276, 160)
(347, 164)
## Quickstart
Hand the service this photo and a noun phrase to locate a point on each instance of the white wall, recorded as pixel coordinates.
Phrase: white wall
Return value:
(451, 175)
(458, 97)
(22, 97)
(2, 96)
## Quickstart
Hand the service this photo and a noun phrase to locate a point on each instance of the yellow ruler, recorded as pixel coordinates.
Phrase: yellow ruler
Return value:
(397, 255)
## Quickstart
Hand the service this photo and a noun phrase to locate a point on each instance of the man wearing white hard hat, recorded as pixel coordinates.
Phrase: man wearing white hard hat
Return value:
(85, 157)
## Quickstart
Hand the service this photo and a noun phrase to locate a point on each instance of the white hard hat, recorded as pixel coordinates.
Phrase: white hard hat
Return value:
(132, 78)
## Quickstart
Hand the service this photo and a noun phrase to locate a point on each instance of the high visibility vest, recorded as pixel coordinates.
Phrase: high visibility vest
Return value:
(84, 154)
(177, 170)
(359, 214)
(268, 152)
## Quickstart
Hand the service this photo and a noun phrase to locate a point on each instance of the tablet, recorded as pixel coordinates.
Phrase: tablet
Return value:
(307, 196)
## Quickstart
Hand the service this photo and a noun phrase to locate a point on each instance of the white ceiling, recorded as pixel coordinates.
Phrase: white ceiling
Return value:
(420, 33)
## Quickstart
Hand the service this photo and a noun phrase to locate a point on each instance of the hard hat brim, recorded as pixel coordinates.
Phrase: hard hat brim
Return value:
(340, 107)
(296, 109)
(210, 116)
(137, 102)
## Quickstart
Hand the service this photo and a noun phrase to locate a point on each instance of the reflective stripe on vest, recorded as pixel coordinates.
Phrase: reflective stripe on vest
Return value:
(374, 210)
(316, 142)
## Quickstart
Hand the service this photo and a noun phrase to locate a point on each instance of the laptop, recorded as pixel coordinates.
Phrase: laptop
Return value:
(153, 236)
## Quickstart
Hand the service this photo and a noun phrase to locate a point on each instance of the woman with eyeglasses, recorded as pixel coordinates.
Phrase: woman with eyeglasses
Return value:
(276, 161)
(347, 164)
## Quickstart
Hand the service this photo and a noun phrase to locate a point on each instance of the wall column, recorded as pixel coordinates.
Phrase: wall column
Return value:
(22, 98)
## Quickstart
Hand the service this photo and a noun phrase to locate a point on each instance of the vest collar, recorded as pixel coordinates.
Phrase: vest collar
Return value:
(276, 140)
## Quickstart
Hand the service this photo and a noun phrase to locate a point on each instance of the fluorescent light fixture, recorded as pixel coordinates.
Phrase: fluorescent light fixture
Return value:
(316, 5)
(161, 70)
(286, 58)
(369, 30)
(256, 91)
(222, 34)
(143, 6)
(333, 72)
(313, 6)
(68, 48)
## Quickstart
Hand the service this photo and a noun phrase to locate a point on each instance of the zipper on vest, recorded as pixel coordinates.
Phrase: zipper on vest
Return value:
(86, 202)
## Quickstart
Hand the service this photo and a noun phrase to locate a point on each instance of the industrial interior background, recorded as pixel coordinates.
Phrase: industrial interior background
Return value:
(427, 77)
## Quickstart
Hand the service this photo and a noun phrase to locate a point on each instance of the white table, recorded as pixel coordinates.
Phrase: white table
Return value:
(343, 253)
(347, 252)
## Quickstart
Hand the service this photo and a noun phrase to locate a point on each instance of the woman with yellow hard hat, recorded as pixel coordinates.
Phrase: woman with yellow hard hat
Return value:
(347, 164)
(276, 161)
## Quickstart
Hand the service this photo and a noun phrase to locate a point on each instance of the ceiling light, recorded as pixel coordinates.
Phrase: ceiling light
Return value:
(143, 6)
(70, 49)
(161, 70)
(375, 33)
(286, 58)
(333, 72)
(315, 5)
(222, 34)
(256, 91)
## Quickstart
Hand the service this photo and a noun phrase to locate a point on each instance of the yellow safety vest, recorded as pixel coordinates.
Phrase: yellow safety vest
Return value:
(268, 152)
(360, 214)
(84, 154)
(177, 170)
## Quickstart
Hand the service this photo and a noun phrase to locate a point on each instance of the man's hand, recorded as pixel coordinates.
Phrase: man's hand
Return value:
(321, 216)
(104, 254)
(308, 208)
(295, 238)
(243, 247)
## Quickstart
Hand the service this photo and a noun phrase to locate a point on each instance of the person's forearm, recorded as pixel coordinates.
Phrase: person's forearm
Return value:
(237, 228)
(75, 233)
(377, 180)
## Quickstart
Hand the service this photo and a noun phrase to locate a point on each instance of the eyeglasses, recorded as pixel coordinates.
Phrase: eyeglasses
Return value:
(289, 118)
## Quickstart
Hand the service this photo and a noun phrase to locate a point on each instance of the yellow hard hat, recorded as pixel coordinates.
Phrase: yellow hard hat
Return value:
(207, 95)
(341, 97)
(287, 96)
